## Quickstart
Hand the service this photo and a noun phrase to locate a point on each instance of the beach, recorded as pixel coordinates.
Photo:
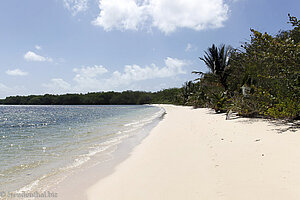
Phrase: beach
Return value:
(197, 154)
(150, 100)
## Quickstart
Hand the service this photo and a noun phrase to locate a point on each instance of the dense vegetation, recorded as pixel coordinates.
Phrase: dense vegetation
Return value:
(259, 79)
(167, 96)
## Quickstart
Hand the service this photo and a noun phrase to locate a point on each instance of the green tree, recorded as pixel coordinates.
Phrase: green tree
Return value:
(217, 61)
(270, 66)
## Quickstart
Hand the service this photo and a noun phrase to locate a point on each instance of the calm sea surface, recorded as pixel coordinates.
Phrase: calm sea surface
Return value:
(40, 142)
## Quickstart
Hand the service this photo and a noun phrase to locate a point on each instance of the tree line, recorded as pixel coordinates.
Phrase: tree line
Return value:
(167, 96)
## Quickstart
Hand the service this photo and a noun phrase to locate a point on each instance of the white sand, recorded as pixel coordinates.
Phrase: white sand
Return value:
(195, 154)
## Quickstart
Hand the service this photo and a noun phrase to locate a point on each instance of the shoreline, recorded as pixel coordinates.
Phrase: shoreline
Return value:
(195, 154)
(100, 165)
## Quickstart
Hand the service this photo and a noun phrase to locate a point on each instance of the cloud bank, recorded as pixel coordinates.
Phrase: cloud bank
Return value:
(89, 79)
(165, 15)
(57, 85)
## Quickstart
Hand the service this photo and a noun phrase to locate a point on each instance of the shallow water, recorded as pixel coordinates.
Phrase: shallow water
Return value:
(40, 142)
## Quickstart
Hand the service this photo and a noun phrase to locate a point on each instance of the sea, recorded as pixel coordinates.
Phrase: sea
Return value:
(40, 145)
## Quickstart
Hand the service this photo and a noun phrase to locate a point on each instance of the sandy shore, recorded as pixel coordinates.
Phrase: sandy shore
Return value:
(195, 154)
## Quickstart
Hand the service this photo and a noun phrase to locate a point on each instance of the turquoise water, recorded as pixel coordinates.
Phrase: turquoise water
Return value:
(39, 142)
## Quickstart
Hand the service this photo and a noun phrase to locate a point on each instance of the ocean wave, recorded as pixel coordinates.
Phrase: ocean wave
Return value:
(140, 123)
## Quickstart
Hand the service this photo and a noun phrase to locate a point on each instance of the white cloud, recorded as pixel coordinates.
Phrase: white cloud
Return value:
(120, 14)
(57, 85)
(91, 71)
(76, 6)
(88, 79)
(131, 73)
(16, 72)
(166, 15)
(190, 47)
(31, 56)
(135, 73)
(37, 47)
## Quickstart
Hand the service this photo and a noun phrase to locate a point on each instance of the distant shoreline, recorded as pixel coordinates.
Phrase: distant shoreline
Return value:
(167, 96)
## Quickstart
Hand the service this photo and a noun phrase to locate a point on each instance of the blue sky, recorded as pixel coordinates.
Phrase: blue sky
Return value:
(67, 46)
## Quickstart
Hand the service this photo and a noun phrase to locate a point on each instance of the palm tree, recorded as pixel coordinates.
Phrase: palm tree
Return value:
(217, 61)
(187, 90)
